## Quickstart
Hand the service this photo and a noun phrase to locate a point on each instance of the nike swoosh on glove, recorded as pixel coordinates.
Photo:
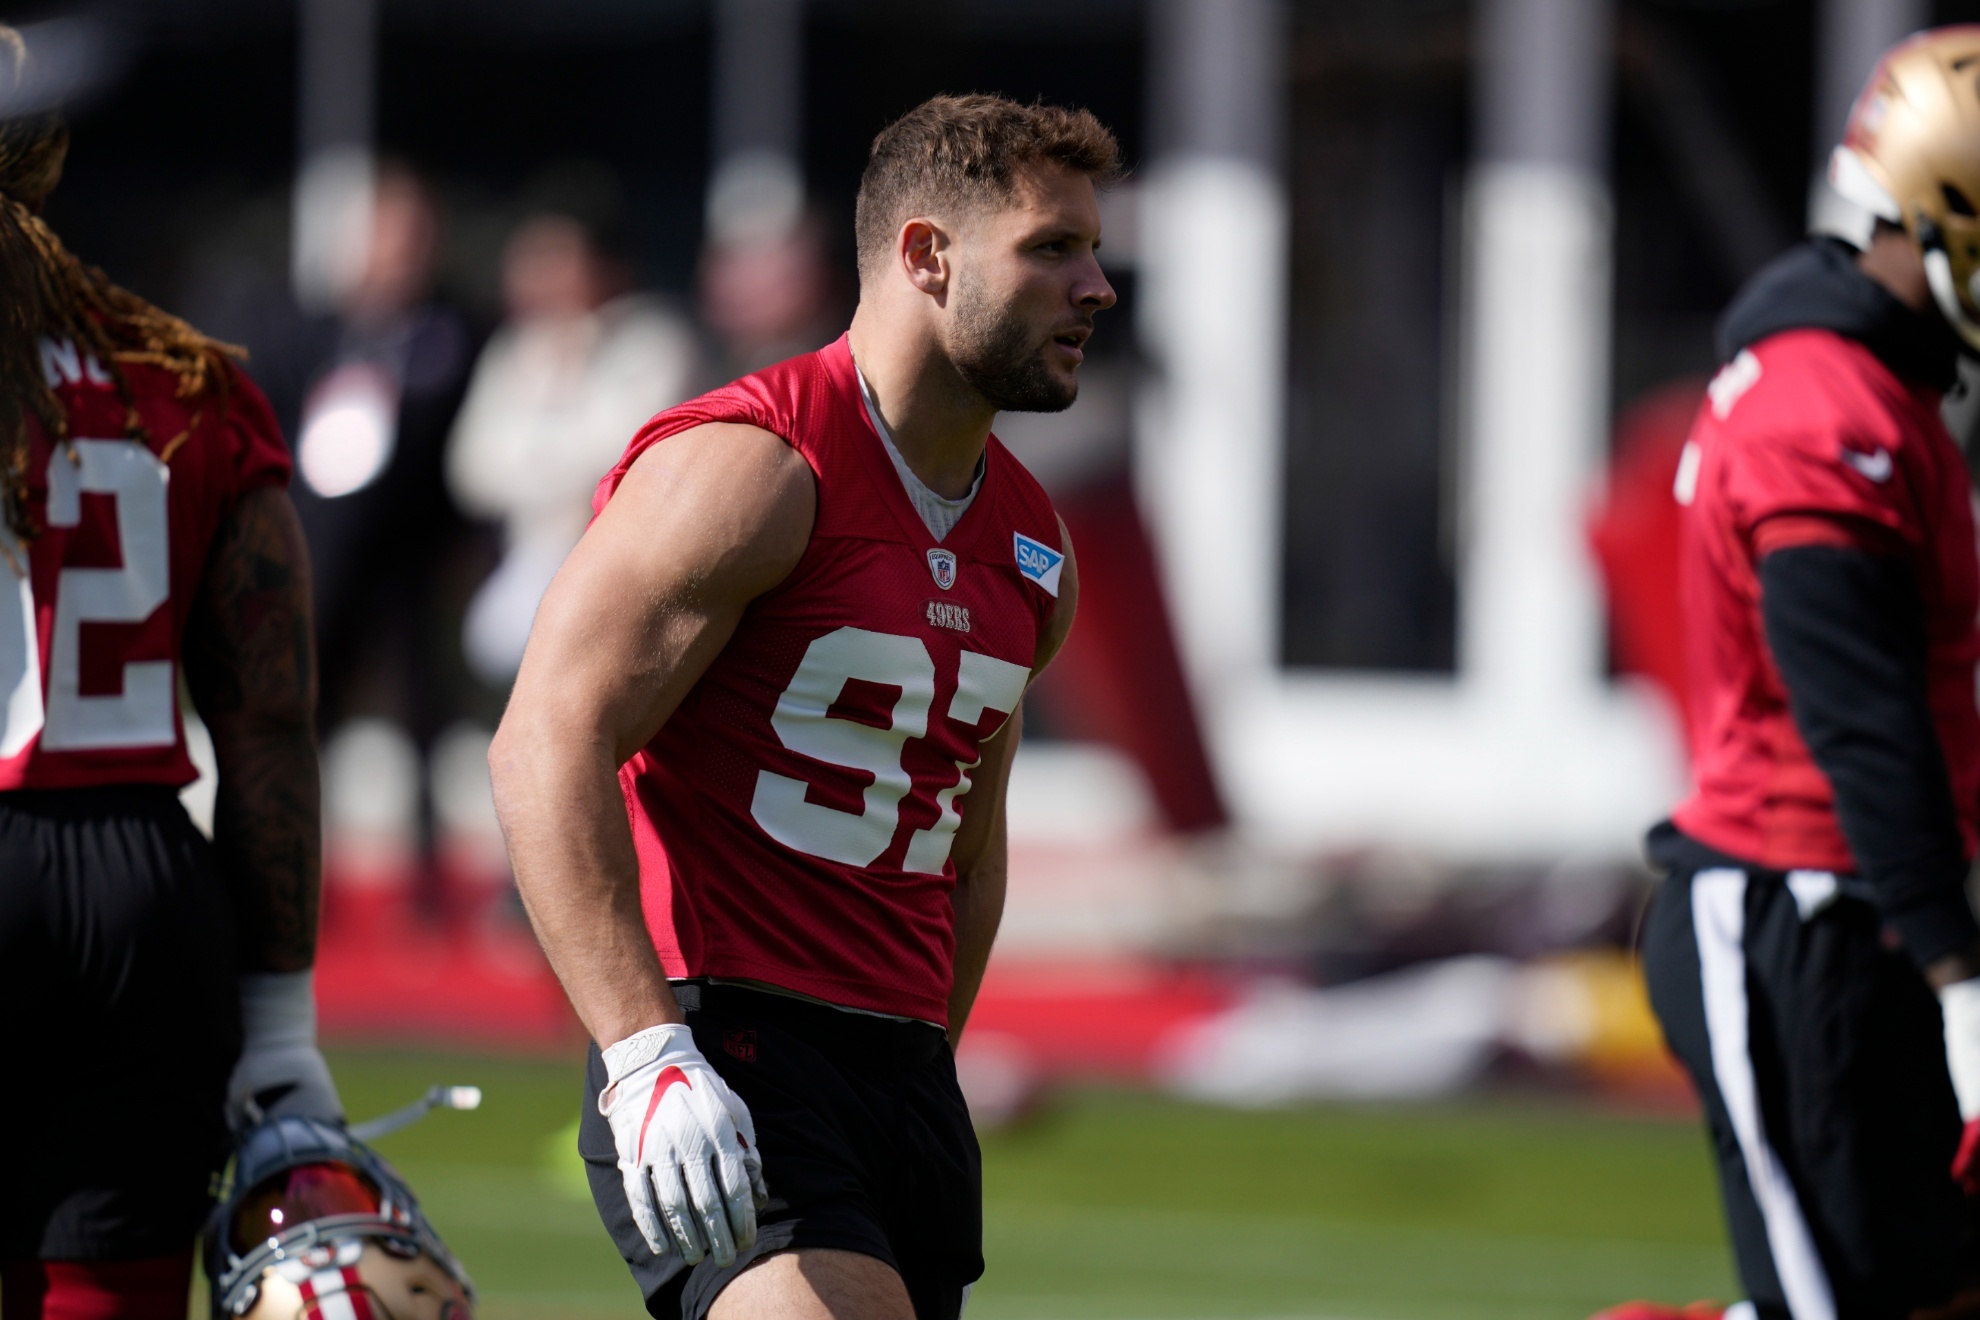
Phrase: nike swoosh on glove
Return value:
(281, 1072)
(687, 1147)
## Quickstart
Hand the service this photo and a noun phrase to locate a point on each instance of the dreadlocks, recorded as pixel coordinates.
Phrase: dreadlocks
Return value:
(45, 293)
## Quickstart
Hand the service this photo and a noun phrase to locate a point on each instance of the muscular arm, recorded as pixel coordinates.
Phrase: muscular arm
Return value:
(982, 852)
(703, 524)
(250, 661)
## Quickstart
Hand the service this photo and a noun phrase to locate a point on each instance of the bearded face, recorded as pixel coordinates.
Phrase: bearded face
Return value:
(1006, 358)
(1025, 286)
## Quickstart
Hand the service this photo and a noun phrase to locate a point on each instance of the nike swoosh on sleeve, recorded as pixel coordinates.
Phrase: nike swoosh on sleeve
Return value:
(669, 1078)
(1877, 467)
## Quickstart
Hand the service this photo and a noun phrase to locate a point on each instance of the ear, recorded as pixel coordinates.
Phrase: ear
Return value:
(924, 254)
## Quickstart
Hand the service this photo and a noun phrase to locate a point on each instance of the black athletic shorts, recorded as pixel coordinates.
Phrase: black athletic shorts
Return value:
(119, 1023)
(1819, 1057)
(867, 1147)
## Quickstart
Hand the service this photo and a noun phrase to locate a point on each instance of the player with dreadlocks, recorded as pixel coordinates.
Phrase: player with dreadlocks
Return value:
(152, 984)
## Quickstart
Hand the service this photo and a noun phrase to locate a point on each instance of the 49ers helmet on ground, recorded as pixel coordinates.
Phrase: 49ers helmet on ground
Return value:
(1910, 155)
(317, 1227)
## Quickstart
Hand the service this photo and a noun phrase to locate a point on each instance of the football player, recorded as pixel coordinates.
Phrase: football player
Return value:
(1812, 954)
(752, 774)
(149, 981)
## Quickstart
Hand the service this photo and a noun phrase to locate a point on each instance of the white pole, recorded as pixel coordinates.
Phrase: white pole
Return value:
(1535, 360)
(757, 187)
(1530, 754)
(330, 230)
(1214, 233)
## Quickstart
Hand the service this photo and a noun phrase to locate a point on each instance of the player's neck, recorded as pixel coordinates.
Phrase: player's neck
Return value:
(1894, 261)
(939, 424)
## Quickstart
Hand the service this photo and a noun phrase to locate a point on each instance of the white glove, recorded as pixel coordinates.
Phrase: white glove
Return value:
(687, 1147)
(280, 1072)
(1959, 1003)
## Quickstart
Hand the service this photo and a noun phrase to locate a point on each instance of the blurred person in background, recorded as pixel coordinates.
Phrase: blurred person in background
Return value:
(753, 771)
(150, 981)
(367, 386)
(581, 362)
(1816, 894)
(768, 290)
(370, 443)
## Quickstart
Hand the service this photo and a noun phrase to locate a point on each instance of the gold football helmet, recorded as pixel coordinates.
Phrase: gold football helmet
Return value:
(318, 1227)
(1910, 155)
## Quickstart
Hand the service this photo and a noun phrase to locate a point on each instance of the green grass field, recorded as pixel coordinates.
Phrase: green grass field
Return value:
(1113, 1204)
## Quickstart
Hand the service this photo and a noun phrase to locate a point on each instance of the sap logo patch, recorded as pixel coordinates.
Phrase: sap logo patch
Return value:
(947, 614)
(943, 565)
(1039, 562)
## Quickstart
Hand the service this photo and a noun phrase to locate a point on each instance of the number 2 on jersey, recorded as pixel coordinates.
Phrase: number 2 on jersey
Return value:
(804, 723)
(141, 715)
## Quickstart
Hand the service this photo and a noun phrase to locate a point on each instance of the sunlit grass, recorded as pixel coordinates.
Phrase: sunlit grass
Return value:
(1114, 1204)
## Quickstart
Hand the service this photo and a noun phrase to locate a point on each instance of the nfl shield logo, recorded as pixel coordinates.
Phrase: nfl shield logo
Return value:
(943, 565)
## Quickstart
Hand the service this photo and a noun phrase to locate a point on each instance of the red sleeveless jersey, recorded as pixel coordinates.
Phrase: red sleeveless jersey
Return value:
(93, 610)
(1807, 427)
(794, 817)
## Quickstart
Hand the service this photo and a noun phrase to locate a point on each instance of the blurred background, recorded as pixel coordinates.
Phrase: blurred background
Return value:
(1315, 995)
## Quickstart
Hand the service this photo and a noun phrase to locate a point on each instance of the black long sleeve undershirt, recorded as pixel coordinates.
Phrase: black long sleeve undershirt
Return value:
(1847, 631)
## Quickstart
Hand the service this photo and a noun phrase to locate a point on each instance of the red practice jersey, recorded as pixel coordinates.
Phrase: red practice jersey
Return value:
(794, 816)
(1806, 437)
(90, 636)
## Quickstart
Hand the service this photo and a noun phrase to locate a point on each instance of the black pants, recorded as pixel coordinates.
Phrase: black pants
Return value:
(1818, 1054)
(867, 1147)
(119, 1023)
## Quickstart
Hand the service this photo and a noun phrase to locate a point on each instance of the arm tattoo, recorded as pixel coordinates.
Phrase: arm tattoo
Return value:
(250, 662)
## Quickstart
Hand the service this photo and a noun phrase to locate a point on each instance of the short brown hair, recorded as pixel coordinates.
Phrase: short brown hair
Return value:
(954, 151)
